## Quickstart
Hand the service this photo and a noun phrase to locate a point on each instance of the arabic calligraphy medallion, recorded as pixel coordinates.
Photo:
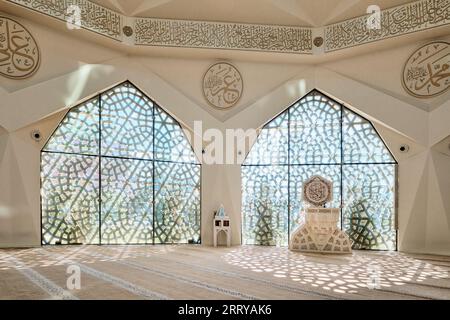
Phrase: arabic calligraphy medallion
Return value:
(222, 85)
(19, 53)
(427, 72)
(317, 191)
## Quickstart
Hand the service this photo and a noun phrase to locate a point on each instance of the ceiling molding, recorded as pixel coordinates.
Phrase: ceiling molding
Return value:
(147, 5)
(293, 8)
(404, 19)
(341, 8)
(381, 107)
(79, 85)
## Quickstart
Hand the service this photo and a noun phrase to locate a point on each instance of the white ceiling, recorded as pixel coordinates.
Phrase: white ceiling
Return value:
(312, 13)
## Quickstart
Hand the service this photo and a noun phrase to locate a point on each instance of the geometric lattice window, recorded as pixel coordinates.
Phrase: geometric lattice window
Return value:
(119, 170)
(318, 136)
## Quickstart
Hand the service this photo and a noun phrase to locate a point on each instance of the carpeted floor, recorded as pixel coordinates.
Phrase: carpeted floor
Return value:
(197, 272)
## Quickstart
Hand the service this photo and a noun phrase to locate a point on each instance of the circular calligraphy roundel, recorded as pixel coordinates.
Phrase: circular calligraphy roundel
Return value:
(19, 53)
(317, 191)
(427, 71)
(222, 85)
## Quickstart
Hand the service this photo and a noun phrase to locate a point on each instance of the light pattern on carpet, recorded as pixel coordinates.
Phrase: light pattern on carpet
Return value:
(200, 272)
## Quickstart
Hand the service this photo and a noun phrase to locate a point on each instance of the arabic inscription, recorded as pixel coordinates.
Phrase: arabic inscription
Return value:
(222, 85)
(427, 71)
(88, 15)
(19, 53)
(400, 20)
(317, 191)
(221, 35)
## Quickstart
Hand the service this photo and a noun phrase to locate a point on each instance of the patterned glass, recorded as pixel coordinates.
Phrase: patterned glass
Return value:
(361, 142)
(265, 204)
(315, 131)
(70, 198)
(318, 136)
(369, 198)
(275, 152)
(170, 140)
(127, 201)
(119, 170)
(177, 202)
(79, 131)
(127, 123)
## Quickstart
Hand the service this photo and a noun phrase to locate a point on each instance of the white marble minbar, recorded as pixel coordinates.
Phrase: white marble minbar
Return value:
(319, 232)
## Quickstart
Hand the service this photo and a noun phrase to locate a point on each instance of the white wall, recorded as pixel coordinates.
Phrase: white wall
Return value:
(369, 84)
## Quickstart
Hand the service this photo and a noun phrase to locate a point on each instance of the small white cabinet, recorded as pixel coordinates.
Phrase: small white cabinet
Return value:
(222, 224)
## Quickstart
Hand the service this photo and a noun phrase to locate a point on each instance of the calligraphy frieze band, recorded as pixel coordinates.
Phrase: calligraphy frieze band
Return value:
(92, 16)
(218, 35)
(404, 19)
(411, 17)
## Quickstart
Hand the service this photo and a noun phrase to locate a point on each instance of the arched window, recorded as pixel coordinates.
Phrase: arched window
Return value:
(119, 170)
(317, 135)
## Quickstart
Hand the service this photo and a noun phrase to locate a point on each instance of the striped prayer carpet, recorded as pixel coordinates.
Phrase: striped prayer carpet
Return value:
(200, 272)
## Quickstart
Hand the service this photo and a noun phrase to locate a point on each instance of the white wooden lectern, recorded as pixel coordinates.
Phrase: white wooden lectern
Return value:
(222, 224)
